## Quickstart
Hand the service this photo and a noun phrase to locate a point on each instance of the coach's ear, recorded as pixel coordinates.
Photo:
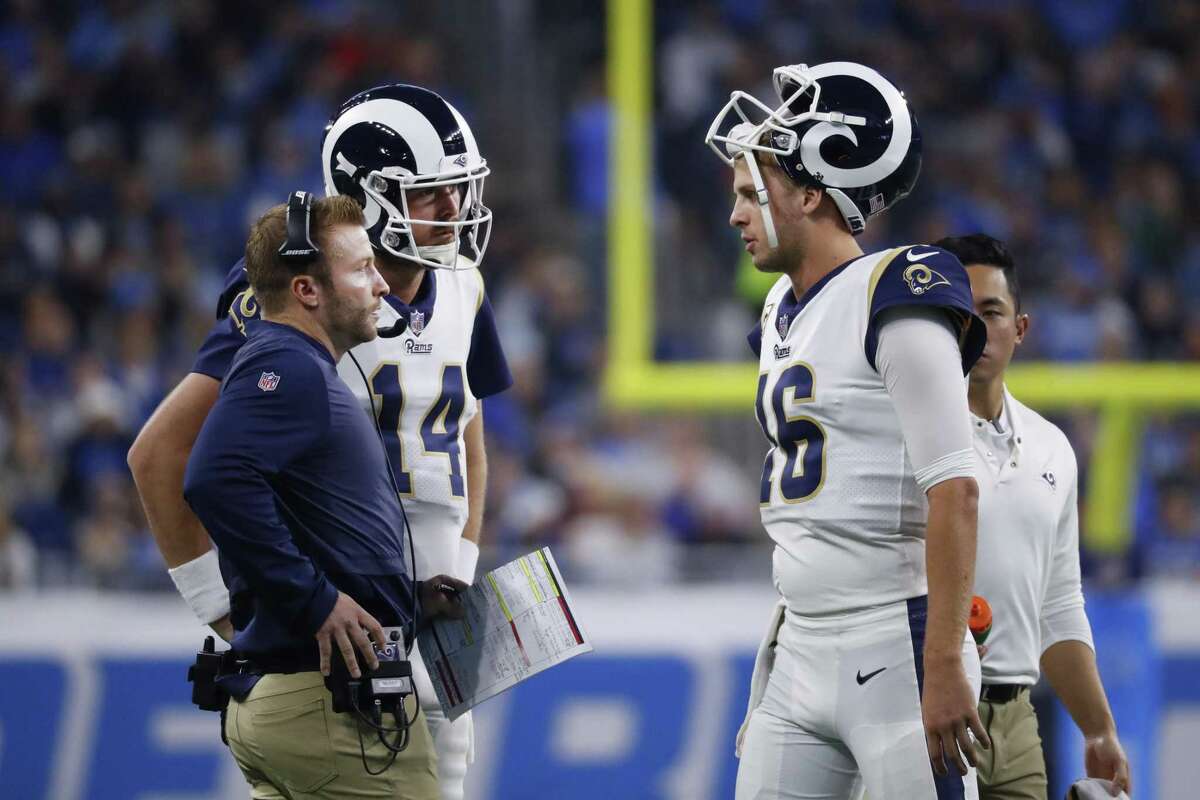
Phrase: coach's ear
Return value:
(305, 290)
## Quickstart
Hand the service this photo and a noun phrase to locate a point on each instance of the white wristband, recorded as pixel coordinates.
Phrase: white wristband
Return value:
(468, 557)
(202, 587)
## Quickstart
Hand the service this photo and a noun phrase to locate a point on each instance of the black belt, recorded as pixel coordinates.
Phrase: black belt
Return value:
(1001, 692)
(268, 665)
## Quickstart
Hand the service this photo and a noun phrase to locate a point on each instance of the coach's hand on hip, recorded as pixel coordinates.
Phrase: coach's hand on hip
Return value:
(349, 625)
(948, 709)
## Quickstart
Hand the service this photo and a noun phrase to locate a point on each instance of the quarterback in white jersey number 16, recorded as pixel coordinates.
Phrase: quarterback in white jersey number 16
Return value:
(867, 677)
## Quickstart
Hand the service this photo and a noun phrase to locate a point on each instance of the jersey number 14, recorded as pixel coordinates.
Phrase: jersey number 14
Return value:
(439, 426)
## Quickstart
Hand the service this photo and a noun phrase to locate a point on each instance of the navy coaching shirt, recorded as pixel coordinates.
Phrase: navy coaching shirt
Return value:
(290, 479)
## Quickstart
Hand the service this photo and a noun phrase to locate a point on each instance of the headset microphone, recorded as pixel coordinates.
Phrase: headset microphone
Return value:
(394, 330)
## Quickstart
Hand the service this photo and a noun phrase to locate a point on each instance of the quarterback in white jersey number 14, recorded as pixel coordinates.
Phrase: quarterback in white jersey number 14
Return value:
(867, 677)
(411, 161)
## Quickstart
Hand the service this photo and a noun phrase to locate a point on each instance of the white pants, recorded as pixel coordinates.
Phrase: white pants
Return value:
(841, 712)
(453, 741)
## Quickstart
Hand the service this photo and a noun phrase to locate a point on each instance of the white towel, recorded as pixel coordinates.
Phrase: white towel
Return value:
(763, 663)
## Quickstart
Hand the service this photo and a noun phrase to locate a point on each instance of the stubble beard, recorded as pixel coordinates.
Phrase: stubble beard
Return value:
(778, 260)
(771, 263)
(351, 325)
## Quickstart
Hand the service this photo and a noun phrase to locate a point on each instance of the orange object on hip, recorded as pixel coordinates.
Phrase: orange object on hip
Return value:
(980, 621)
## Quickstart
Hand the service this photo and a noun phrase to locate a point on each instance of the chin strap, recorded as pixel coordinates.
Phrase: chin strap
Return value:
(764, 204)
(444, 254)
(850, 213)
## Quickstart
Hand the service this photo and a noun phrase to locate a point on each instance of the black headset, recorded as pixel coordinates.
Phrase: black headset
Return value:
(299, 248)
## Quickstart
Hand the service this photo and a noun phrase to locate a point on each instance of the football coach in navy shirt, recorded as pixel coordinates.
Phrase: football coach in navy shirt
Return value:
(291, 480)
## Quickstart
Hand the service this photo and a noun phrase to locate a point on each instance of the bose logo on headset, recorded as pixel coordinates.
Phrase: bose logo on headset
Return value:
(299, 247)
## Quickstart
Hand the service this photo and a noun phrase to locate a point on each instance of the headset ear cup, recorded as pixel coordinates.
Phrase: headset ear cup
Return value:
(298, 247)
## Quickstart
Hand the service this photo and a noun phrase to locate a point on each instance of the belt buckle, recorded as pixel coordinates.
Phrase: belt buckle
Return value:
(1000, 693)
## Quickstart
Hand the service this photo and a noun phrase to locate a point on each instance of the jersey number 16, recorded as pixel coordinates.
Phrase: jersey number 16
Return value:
(800, 439)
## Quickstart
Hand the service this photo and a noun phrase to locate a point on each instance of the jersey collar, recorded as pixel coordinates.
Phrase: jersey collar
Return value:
(1011, 412)
(422, 303)
(790, 307)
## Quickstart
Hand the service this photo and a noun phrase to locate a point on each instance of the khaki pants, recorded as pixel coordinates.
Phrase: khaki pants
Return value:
(1014, 769)
(291, 746)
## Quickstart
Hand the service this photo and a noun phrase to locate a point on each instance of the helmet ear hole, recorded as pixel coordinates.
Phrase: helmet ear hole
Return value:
(345, 184)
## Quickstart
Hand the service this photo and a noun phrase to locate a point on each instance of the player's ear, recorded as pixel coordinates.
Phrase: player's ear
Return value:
(810, 198)
(304, 289)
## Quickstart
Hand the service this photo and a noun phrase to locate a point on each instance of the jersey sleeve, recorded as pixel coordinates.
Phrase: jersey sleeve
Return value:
(922, 275)
(487, 368)
(236, 307)
(918, 360)
(754, 339)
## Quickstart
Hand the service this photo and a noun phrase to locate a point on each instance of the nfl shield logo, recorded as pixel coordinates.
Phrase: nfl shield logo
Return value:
(416, 321)
(782, 325)
(268, 381)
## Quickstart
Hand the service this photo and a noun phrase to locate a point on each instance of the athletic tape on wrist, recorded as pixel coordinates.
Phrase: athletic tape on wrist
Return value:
(202, 587)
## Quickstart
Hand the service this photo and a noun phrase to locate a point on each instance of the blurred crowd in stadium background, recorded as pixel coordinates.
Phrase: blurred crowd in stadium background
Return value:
(139, 139)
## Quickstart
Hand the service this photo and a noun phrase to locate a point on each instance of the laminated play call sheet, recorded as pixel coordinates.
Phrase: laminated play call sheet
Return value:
(519, 621)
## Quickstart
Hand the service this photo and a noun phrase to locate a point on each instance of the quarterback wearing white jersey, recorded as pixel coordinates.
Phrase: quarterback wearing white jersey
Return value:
(424, 383)
(862, 398)
(823, 405)
(847, 512)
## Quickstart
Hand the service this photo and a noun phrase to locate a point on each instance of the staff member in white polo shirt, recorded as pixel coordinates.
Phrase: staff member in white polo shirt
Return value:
(1027, 565)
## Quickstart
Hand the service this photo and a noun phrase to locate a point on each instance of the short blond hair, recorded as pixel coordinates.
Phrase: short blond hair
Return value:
(271, 276)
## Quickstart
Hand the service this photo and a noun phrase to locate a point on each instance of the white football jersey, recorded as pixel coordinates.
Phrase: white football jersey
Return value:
(423, 402)
(838, 495)
(423, 398)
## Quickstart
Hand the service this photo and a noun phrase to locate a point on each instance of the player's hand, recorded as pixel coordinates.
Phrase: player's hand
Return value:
(949, 709)
(348, 626)
(439, 597)
(1103, 757)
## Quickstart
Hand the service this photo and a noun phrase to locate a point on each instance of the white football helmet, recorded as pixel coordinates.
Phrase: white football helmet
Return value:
(840, 126)
(389, 140)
